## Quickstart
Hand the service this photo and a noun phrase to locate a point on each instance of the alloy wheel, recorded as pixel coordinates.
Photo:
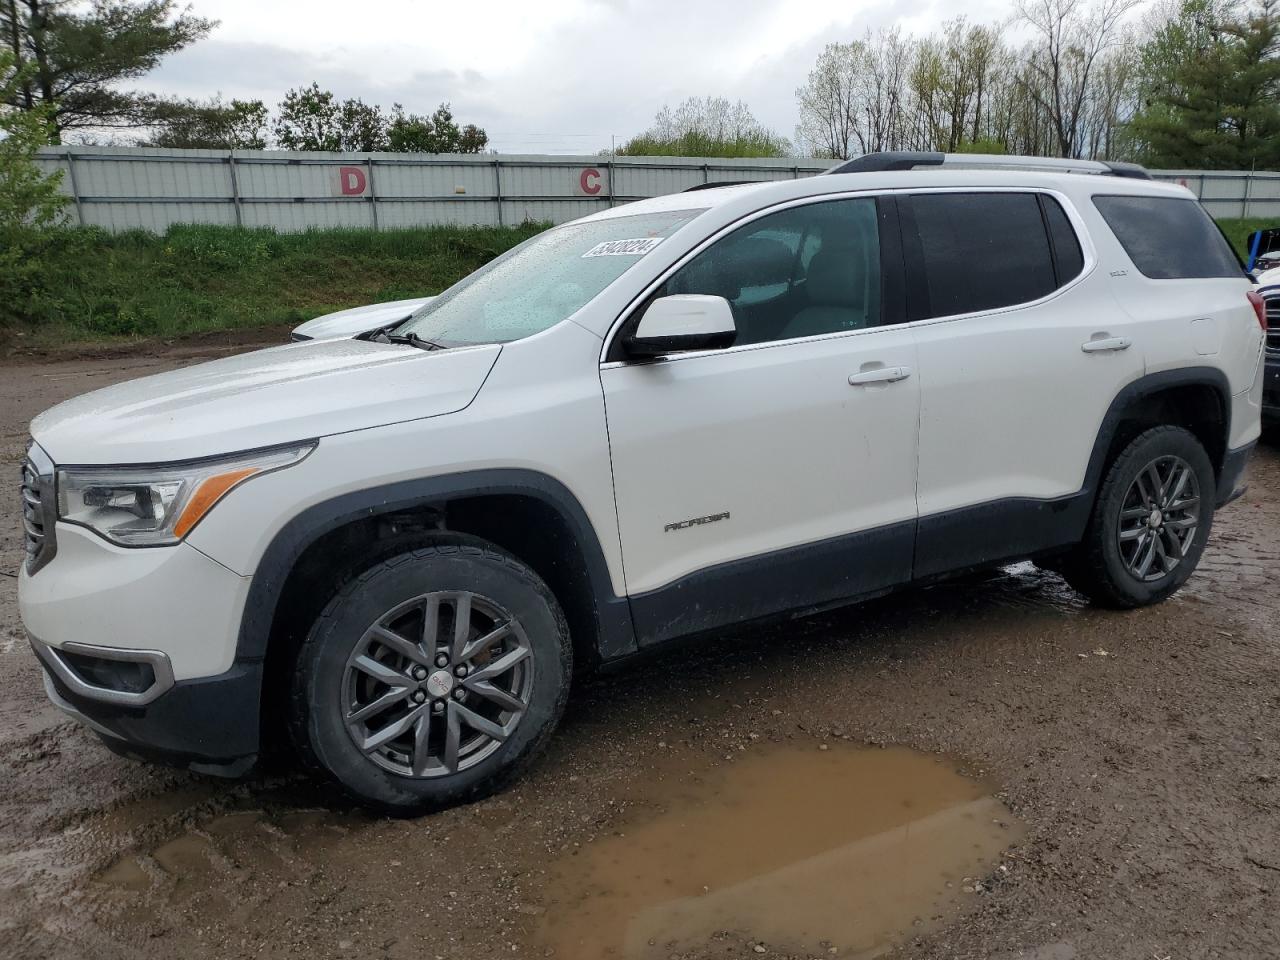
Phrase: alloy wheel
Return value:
(1159, 518)
(437, 684)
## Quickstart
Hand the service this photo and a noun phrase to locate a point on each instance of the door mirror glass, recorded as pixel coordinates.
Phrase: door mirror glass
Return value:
(690, 321)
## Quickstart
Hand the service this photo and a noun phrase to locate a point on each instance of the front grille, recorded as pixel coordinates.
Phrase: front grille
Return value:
(36, 494)
(1273, 323)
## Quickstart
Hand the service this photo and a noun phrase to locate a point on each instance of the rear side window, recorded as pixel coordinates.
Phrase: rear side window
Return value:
(1168, 238)
(1068, 259)
(982, 251)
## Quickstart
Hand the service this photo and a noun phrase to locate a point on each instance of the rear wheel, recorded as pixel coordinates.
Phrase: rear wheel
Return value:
(1150, 521)
(431, 677)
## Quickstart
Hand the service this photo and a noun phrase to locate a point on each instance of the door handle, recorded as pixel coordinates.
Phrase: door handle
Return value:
(1106, 343)
(879, 375)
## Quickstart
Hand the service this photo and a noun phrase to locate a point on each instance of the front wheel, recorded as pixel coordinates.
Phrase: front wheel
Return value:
(431, 677)
(1150, 521)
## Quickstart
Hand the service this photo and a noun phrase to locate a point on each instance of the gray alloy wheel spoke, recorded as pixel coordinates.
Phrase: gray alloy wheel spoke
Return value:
(430, 626)
(500, 666)
(499, 696)
(424, 700)
(452, 739)
(1148, 554)
(1159, 517)
(461, 626)
(375, 707)
(1148, 485)
(476, 647)
(392, 730)
(406, 648)
(379, 671)
(477, 722)
(421, 743)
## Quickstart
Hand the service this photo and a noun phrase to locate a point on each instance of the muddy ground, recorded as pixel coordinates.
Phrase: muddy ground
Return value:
(1140, 753)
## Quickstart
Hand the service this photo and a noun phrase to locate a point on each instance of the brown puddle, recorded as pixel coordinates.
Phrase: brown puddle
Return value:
(800, 849)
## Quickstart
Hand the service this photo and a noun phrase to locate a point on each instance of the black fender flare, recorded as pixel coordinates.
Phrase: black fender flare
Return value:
(1137, 390)
(613, 614)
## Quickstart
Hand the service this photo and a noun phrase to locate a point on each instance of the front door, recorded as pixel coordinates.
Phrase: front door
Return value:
(778, 473)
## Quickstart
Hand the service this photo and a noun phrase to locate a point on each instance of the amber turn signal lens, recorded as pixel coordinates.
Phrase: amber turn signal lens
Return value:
(207, 494)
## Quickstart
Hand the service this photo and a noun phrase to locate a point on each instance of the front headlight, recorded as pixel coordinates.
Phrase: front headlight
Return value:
(152, 506)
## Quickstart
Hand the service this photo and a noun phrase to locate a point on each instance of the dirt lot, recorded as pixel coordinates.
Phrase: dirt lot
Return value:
(1139, 752)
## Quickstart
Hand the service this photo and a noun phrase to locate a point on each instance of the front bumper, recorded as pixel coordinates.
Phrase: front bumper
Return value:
(210, 724)
(139, 644)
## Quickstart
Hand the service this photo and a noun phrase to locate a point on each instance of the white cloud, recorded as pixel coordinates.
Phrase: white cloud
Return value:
(540, 75)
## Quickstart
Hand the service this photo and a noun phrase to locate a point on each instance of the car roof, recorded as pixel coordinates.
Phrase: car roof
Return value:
(753, 196)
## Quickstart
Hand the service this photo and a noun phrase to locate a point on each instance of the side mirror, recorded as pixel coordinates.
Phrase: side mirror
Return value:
(690, 321)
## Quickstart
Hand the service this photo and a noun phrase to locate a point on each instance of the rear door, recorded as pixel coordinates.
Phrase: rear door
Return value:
(1021, 349)
(778, 473)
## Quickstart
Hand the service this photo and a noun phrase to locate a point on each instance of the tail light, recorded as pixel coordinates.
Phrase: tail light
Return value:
(1259, 308)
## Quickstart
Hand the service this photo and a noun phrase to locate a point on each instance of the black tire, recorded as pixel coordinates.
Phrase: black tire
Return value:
(321, 680)
(1097, 567)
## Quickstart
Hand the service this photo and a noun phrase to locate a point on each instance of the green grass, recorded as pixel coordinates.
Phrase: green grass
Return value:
(1238, 231)
(87, 285)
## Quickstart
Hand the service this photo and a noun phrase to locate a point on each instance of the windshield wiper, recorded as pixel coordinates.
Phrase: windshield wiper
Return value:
(412, 339)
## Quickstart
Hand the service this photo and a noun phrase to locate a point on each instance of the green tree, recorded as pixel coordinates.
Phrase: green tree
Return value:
(212, 125)
(361, 127)
(74, 57)
(29, 198)
(707, 127)
(1211, 89)
(438, 133)
(308, 119)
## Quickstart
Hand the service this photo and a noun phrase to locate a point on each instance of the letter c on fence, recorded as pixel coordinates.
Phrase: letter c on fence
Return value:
(353, 181)
(589, 181)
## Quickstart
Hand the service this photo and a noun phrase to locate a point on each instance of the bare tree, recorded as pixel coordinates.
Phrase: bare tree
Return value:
(1072, 40)
(826, 101)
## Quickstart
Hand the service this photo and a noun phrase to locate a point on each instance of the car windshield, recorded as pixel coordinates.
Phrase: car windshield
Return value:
(542, 281)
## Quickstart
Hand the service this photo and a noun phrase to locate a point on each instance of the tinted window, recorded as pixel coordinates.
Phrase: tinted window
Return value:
(1168, 238)
(982, 250)
(800, 272)
(1068, 259)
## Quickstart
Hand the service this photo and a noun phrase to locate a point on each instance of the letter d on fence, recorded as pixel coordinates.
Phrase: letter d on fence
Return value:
(352, 181)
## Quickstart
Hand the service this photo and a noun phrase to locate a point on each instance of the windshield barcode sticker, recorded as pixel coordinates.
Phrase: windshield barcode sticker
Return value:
(623, 248)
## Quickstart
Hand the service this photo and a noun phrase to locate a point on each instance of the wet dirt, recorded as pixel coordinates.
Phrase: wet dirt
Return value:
(800, 848)
(1140, 751)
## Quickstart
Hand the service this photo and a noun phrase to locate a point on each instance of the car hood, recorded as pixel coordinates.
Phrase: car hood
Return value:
(274, 396)
(1268, 280)
(348, 323)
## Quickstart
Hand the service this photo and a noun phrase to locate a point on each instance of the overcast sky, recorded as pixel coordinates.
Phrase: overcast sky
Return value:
(541, 76)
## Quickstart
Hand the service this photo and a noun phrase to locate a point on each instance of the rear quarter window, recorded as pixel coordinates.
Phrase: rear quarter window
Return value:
(1169, 238)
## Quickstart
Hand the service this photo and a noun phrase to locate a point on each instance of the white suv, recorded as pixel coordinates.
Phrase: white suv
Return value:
(659, 420)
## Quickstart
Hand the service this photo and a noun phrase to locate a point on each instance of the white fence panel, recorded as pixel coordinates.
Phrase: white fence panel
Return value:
(122, 188)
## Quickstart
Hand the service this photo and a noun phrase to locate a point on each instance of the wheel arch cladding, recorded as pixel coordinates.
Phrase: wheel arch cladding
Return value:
(568, 556)
(1196, 398)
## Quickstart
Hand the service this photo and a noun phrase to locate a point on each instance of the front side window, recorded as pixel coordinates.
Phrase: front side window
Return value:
(539, 283)
(1169, 238)
(982, 251)
(800, 272)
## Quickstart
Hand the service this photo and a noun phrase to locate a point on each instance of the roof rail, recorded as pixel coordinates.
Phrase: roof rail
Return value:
(712, 184)
(910, 159)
